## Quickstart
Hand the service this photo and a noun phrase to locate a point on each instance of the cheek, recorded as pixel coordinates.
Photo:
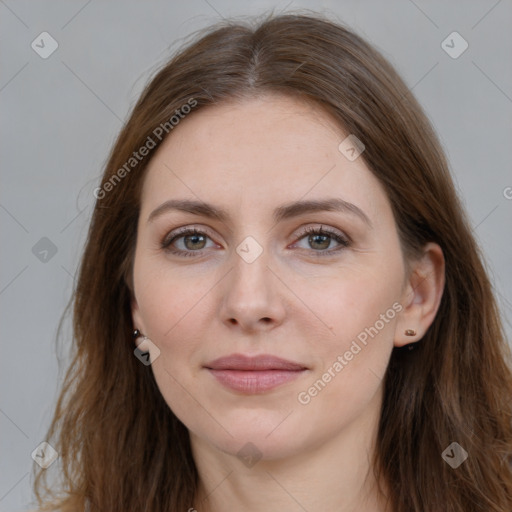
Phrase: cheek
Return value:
(171, 305)
(168, 310)
(358, 304)
(361, 309)
(167, 300)
(352, 365)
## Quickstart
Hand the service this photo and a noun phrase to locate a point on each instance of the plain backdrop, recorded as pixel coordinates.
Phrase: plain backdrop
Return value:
(61, 114)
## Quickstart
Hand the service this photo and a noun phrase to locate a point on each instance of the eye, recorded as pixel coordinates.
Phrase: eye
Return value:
(319, 239)
(191, 240)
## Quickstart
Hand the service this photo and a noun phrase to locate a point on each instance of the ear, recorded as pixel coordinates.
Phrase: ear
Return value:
(422, 295)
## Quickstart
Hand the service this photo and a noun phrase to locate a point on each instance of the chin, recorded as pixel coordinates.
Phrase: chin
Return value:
(264, 439)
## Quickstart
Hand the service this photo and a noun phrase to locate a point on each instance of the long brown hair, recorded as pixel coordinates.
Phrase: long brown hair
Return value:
(120, 445)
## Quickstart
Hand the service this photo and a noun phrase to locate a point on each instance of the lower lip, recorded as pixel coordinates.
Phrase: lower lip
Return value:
(253, 381)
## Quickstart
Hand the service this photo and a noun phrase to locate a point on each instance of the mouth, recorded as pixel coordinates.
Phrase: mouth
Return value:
(253, 375)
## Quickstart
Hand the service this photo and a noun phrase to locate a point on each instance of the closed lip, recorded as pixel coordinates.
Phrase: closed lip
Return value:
(262, 362)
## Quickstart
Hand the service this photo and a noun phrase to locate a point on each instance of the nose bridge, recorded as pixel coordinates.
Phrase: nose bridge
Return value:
(250, 275)
(250, 289)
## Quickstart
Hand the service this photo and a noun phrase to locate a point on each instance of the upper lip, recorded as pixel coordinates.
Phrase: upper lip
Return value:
(254, 363)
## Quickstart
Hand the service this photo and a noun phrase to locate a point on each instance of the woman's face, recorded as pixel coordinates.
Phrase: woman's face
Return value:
(257, 281)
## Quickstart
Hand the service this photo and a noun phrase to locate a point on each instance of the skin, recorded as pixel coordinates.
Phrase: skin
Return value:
(250, 157)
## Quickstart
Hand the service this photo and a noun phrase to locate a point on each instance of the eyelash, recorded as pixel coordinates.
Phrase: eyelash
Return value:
(344, 242)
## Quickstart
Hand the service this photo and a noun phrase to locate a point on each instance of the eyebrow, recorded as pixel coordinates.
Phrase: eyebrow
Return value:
(286, 211)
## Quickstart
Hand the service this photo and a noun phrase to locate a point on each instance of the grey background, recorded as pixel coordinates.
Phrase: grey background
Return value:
(60, 116)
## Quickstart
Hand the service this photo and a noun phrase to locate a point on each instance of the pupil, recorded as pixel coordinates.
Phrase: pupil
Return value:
(325, 237)
(194, 238)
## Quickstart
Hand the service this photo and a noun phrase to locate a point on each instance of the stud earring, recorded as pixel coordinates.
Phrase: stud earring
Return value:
(136, 334)
(410, 332)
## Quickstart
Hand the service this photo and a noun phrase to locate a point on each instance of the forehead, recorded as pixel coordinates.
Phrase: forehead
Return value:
(256, 154)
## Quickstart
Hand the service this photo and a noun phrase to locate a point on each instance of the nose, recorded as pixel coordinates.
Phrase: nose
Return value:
(252, 297)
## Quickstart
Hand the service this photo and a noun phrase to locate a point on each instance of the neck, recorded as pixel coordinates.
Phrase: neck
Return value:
(334, 475)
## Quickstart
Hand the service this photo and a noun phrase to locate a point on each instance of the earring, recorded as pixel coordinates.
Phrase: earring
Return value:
(410, 332)
(136, 334)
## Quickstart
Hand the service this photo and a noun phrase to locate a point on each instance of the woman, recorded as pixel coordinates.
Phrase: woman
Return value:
(281, 305)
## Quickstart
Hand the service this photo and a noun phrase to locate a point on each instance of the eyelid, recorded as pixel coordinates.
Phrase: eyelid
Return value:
(328, 230)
